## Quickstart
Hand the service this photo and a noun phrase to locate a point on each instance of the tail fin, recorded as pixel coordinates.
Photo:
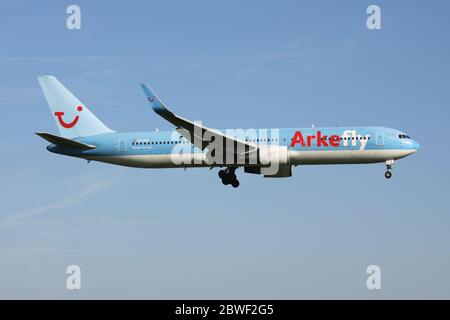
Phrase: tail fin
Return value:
(73, 118)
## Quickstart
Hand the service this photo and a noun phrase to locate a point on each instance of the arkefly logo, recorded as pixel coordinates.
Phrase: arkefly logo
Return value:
(69, 125)
(321, 140)
(348, 137)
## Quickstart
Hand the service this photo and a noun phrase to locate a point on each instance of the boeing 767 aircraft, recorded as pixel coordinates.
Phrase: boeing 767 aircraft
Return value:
(268, 152)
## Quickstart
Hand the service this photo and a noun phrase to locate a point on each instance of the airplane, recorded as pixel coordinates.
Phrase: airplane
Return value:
(267, 152)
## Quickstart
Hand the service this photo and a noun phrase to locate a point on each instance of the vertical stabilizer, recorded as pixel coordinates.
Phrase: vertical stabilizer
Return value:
(72, 117)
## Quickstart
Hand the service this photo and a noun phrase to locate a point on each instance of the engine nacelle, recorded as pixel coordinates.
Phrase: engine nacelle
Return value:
(282, 171)
(273, 155)
(273, 161)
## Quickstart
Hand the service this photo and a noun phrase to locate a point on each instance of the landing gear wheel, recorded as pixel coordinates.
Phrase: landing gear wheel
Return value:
(235, 183)
(229, 177)
(389, 165)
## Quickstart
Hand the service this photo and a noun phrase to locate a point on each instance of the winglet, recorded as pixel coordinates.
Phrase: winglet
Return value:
(154, 101)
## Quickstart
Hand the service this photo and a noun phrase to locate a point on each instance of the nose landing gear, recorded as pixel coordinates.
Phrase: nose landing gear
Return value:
(389, 165)
(229, 177)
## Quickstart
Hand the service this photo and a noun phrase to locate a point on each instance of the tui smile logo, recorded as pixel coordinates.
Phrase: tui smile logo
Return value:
(69, 125)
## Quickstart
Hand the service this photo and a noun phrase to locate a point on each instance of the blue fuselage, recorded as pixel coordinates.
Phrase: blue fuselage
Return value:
(328, 145)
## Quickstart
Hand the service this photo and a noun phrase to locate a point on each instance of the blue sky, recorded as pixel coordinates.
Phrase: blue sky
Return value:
(235, 64)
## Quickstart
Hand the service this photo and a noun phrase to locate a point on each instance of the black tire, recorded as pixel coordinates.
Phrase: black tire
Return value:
(222, 174)
(232, 176)
(235, 183)
(225, 180)
(388, 174)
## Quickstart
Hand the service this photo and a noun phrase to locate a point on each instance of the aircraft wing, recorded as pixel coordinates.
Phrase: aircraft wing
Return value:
(196, 133)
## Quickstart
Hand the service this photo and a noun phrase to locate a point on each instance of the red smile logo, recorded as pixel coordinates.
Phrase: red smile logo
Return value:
(69, 125)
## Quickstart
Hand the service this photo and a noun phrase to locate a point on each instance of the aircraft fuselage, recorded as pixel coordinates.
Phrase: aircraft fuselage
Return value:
(331, 145)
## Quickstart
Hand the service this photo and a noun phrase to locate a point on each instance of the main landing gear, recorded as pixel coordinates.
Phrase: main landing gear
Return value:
(229, 177)
(389, 165)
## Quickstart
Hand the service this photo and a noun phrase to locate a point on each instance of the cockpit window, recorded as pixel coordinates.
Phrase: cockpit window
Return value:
(404, 136)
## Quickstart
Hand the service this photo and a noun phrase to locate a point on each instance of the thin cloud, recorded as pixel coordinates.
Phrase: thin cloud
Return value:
(61, 59)
(22, 216)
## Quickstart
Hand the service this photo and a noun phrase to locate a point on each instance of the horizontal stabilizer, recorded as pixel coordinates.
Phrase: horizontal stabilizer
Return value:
(64, 142)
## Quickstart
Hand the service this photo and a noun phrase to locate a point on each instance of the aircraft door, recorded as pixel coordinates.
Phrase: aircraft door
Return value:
(122, 145)
(380, 139)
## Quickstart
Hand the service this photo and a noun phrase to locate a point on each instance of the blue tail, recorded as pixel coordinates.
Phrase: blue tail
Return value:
(72, 117)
